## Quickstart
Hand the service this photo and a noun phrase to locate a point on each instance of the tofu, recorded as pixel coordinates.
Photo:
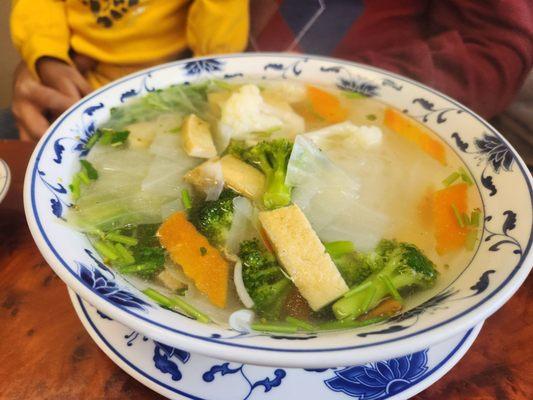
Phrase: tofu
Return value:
(303, 255)
(196, 138)
(141, 134)
(242, 177)
(206, 177)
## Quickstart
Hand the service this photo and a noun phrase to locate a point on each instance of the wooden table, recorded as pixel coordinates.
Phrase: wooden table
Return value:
(45, 352)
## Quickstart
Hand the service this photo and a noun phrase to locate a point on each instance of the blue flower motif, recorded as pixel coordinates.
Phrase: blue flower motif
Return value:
(267, 383)
(163, 355)
(358, 85)
(208, 65)
(380, 380)
(108, 288)
(499, 155)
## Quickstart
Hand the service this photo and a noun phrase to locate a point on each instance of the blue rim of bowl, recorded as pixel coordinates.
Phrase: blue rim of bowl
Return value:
(221, 341)
(435, 369)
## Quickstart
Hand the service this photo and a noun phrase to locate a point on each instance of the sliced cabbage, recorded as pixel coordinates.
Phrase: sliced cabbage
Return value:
(243, 225)
(321, 189)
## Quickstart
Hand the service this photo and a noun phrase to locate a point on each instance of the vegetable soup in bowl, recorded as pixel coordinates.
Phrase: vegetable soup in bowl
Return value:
(282, 210)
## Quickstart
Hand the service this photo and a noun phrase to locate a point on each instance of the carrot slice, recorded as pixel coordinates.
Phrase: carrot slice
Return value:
(415, 132)
(326, 105)
(200, 261)
(449, 233)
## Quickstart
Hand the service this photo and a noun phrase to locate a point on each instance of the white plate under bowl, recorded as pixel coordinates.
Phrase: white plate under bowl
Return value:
(499, 264)
(5, 179)
(178, 374)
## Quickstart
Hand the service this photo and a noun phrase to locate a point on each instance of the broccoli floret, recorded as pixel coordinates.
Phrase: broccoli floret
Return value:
(405, 267)
(263, 279)
(149, 261)
(213, 218)
(271, 158)
(356, 267)
(236, 148)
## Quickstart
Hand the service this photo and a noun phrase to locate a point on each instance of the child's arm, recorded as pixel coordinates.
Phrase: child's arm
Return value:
(217, 26)
(39, 29)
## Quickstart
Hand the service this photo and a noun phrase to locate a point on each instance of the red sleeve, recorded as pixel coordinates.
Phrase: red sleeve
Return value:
(477, 51)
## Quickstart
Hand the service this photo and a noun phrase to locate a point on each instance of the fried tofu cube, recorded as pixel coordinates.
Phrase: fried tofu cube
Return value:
(303, 255)
(196, 136)
(242, 177)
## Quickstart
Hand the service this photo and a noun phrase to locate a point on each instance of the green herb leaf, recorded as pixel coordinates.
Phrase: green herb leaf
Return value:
(91, 172)
(186, 199)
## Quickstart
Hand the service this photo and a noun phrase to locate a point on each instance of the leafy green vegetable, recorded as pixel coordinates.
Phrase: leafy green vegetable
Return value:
(263, 279)
(185, 99)
(112, 137)
(404, 267)
(338, 248)
(186, 199)
(271, 158)
(84, 176)
(149, 261)
(213, 218)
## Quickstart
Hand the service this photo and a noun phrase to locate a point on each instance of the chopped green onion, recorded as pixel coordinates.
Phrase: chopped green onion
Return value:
(176, 302)
(112, 137)
(119, 238)
(106, 250)
(88, 168)
(186, 199)
(465, 177)
(451, 179)
(392, 289)
(349, 323)
(75, 187)
(124, 254)
(475, 217)
(95, 137)
(458, 216)
(338, 248)
(371, 117)
(189, 309)
(357, 289)
(471, 239)
(84, 178)
(353, 95)
(306, 326)
(274, 327)
(159, 298)
(465, 218)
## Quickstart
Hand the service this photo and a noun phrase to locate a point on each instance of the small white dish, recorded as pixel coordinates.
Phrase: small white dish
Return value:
(498, 266)
(178, 374)
(5, 179)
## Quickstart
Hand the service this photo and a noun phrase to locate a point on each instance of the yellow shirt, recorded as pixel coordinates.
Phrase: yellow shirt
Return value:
(126, 35)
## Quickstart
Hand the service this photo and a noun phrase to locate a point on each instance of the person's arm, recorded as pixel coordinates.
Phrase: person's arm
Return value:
(39, 29)
(478, 52)
(217, 26)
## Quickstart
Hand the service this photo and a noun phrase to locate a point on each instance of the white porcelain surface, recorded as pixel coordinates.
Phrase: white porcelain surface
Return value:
(499, 265)
(177, 374)
(5, 179)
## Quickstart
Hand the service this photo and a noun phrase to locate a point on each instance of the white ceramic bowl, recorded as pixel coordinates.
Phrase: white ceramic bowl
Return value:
(498, 266)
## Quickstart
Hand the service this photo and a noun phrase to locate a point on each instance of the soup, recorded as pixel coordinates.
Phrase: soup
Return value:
(313, 207)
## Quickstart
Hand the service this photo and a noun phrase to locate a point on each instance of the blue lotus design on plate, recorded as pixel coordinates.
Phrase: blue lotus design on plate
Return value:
(208, 65)
(380, 380)
(108, 288)
(498, 153)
